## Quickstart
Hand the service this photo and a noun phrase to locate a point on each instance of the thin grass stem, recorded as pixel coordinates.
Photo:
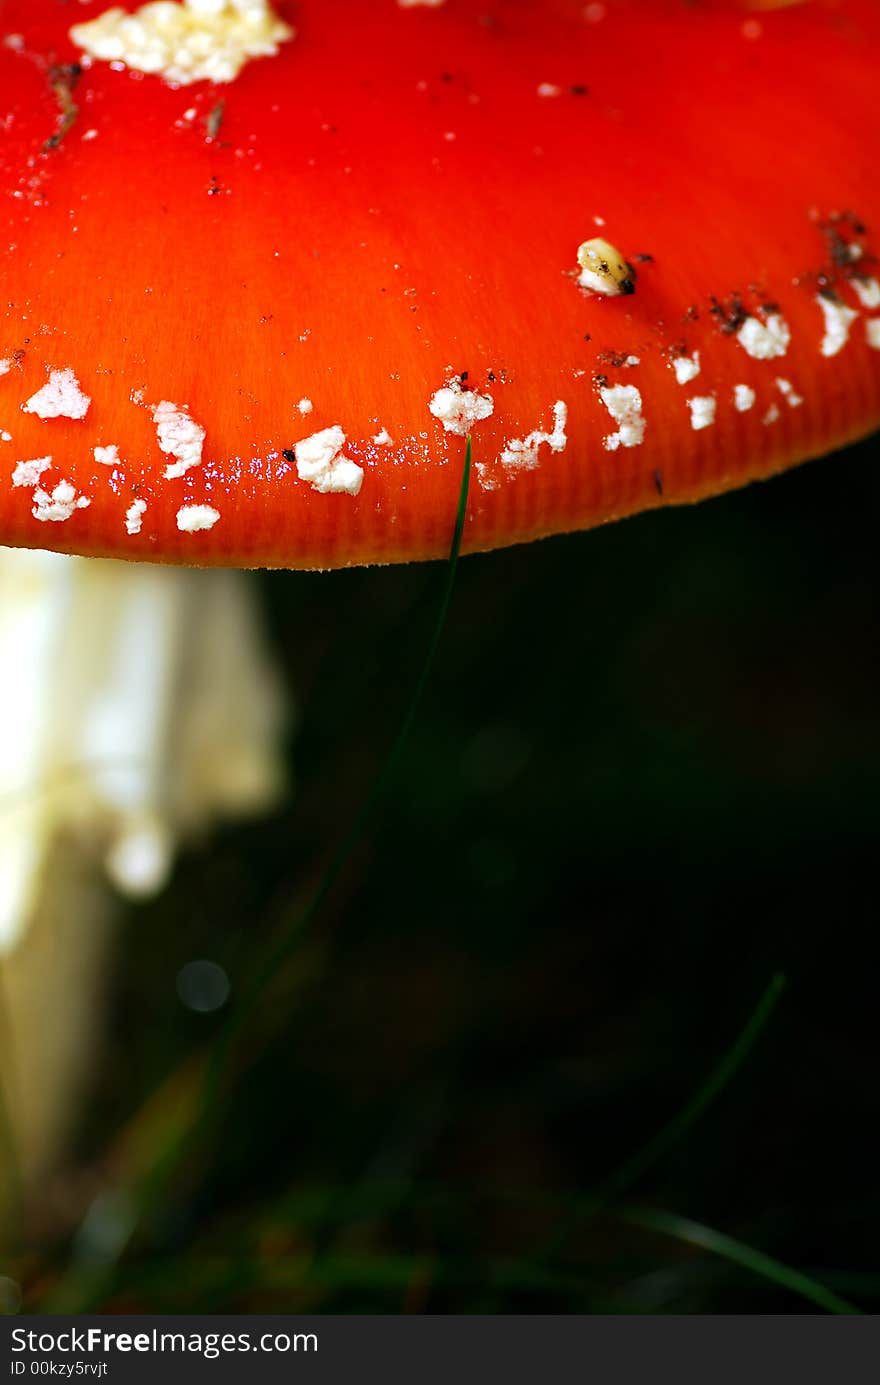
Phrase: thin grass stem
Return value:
(719, 1078)
(669, 1135)
(275, 956)
(738, 1253)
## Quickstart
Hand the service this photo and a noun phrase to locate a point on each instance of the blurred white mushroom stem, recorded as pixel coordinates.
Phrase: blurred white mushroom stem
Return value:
(137, 705)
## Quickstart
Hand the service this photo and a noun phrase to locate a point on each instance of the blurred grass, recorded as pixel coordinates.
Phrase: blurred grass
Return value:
(644, 779)
(692, 1233)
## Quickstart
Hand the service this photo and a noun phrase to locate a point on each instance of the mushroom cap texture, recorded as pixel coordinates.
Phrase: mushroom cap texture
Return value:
(392, 206)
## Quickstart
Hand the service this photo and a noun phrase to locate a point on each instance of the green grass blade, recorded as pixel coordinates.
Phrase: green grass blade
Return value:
(660, 1144)
(195, 1131)
(722, 1074)
(694, 1233)
(275, 956)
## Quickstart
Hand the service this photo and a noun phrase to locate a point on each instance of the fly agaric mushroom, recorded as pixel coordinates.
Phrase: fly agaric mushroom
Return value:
(267, 265)
(121, 682)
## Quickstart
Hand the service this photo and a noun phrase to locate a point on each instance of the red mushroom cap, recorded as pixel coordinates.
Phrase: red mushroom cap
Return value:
(386, 216)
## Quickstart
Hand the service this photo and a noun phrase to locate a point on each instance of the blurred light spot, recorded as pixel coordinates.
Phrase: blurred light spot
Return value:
(203, 986)
(495, 757)
(10, 1296)
(139, 862)
(106, 1228)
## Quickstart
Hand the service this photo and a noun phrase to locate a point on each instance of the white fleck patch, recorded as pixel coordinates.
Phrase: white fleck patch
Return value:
(486, 481)
(521, 454)
(193, 518)
(789, 393)
(772, 414)
(60, 397)
(459, 409)
(318, 461)
(872, 333)
(29, 473)
(107, 456)
(89, 135)
(633, 360)
(305, 406)
(764, 340)
(382, 438)
(686, 368)
(134, 516)
(179, 436)
(702, 408)
(624, 404)
(549, 89)
(838, 320)
(60, 505)
(5, 366)
(5, 437)
(197, 41)
(743, 398)
(603, 268)
(867, 291)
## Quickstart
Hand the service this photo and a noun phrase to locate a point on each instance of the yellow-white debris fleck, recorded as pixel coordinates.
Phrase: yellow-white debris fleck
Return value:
(702, 408)
(686, 368)
(192, 518)
(60, 397)
(58, 506)
(743, 398)
(764, 340)
(319, 462)
(603, 268)
(199, 40)
(459, 409)
(624, 404)
(134, 516)
(305, 406)
(107, 456)
(521, 454)
(179, 436)
(789, 393)
(867, 291)
(838, 320)
(872, 333)
(29, 473)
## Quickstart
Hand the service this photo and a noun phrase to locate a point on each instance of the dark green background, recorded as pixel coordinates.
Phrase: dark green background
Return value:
(644, 779)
